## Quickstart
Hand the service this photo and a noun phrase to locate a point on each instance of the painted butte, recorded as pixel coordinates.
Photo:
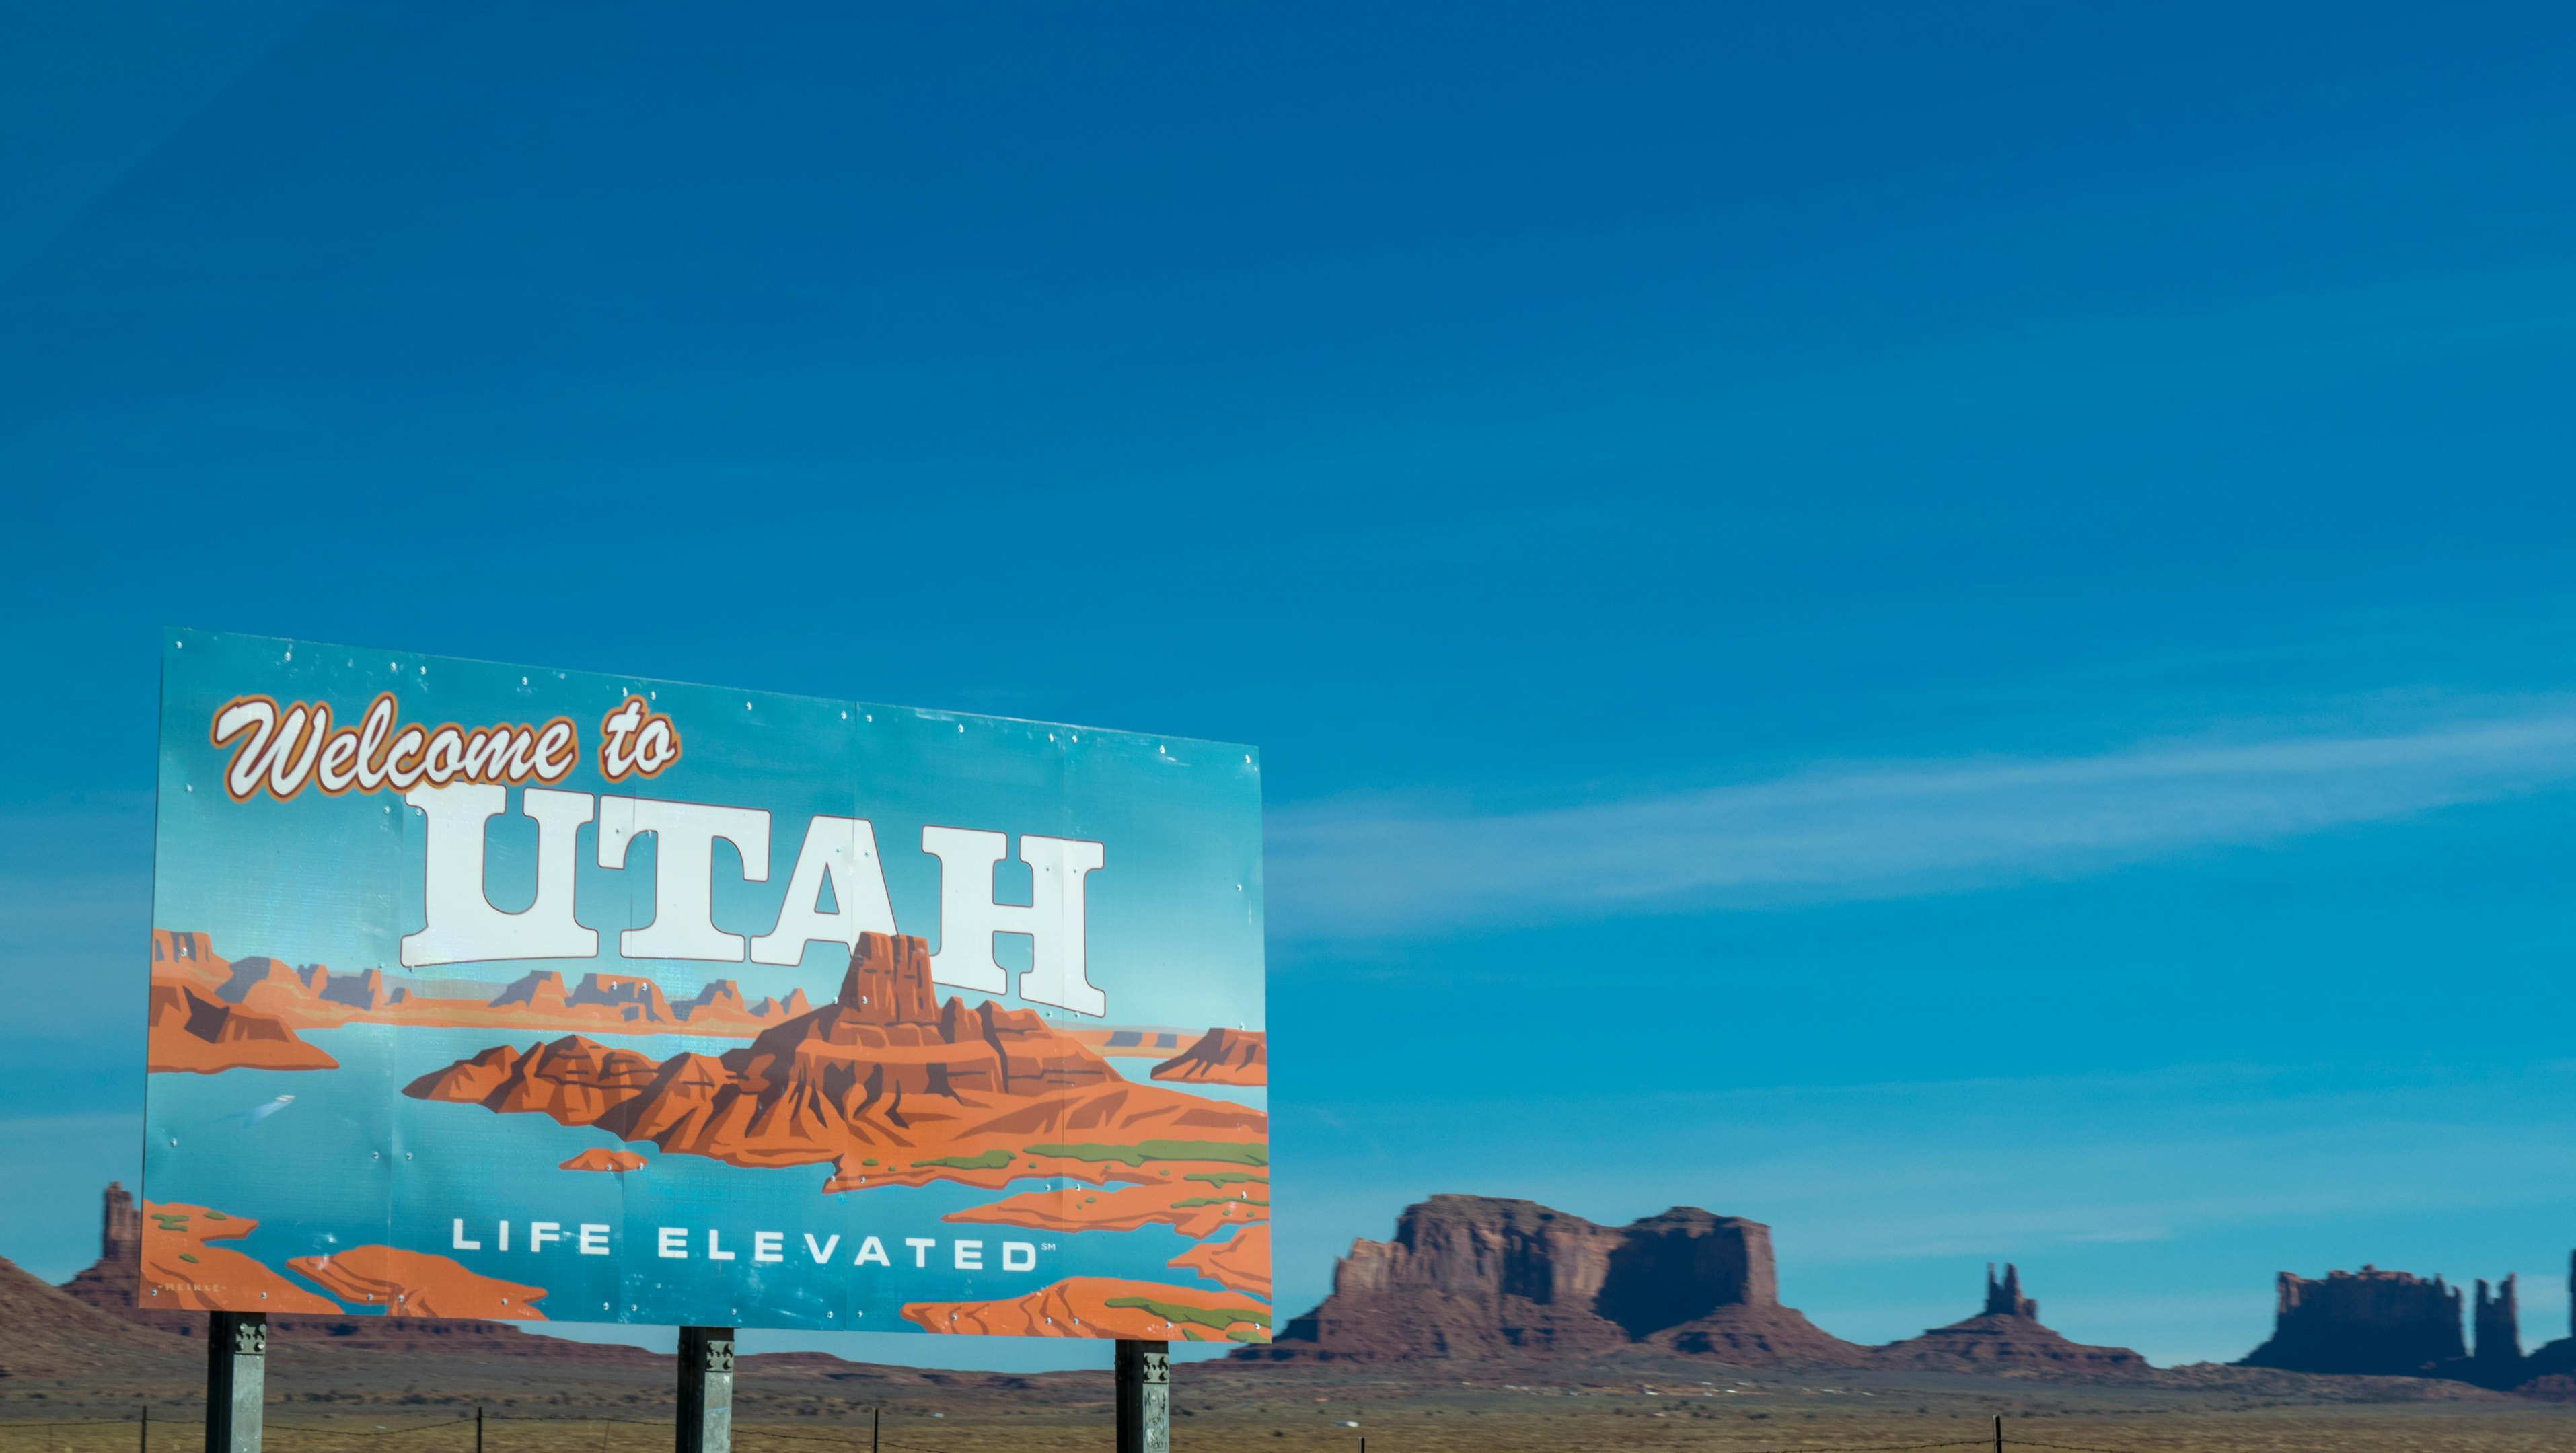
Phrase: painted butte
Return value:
(886, 1084)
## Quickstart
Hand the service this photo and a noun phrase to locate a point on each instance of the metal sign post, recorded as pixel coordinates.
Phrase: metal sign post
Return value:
(236, 1381)
(1144, 1397)
(706, 1390)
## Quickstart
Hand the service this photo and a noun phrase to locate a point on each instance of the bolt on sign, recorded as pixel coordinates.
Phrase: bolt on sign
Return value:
(506, 992)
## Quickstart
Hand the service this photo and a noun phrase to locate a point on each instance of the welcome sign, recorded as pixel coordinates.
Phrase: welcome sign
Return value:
(502, 992)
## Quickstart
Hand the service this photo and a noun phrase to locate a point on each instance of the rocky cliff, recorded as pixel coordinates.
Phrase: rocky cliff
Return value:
(1474, 1277)
(45, 1335)
(634, 997)
(885, 1083)
(194, 1027)
(2496, 1356)
(2007, 1336)
(2553, 1364)
(274, 999)
(189, 1031)
(109, 1283)
(365, 992)
(1221, 1057)
(2370, 1321)
(2004, 1298)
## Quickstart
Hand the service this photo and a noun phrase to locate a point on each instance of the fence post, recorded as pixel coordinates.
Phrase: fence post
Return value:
(875, 1416)
(1999, 1433)
(706, 1390)
(143, 1428)
(1144, 1397)
(236, 1380)
(478, 1428)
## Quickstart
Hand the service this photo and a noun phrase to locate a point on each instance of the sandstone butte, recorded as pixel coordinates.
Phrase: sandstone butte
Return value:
(181, 1271)
(601, 1158)
(2007, 1334)
(313, 997)
(1241, 1262)
(418, 1284)
(1105, 1306)
(1195, 1203)
(887, 1085)
(1221, 1057)
(1479, 1278)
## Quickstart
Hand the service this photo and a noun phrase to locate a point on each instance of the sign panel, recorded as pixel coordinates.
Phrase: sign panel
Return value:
(503, 992)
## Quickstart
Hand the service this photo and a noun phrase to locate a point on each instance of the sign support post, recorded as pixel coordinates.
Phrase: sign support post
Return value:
(236, 1380)
(1144, 1397)
(706, 1390)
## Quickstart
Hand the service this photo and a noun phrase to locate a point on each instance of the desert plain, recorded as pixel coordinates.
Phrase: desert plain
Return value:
(578, 1398)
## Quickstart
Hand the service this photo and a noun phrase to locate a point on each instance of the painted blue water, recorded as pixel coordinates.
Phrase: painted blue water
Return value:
(1141, 1071)
(351, 1161)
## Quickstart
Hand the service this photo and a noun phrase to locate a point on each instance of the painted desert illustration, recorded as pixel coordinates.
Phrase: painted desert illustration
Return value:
(1479, 1323)
(883, 1088)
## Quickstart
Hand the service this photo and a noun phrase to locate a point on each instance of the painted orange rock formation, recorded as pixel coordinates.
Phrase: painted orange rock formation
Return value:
(600, 1158)
(1241, 1262)
(885, 1083)
(417, 1284)
(1105, 1306)
(1195, 1203)
(1135, 1042)
(196, 1033)
(1221, 1057)
(315, 997)
(181, 1272)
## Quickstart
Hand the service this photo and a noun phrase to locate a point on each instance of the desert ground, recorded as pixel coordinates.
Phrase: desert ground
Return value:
(327, 1399)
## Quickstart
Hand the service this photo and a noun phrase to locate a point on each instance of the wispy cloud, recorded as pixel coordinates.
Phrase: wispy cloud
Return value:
(1391, 865)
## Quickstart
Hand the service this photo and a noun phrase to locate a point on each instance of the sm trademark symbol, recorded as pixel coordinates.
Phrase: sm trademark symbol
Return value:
(1046, 1246)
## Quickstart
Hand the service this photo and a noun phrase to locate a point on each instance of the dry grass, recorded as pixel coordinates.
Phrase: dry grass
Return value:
(333, 1400)
(2393, 1428)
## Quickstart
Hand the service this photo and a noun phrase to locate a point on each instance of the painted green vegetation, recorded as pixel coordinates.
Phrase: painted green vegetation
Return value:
(989, 1160)
(1145, 1150)
(1217, 1319)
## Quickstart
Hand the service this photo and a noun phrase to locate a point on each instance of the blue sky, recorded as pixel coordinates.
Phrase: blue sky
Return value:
(1949, 630)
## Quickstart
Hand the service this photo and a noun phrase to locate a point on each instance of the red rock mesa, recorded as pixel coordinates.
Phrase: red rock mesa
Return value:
(1473, 1277)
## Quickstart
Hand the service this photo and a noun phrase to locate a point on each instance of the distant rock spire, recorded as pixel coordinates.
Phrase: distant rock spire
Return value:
(2004, 1298)
(120, 1230)
(2498, 1324)
(2007, 1335)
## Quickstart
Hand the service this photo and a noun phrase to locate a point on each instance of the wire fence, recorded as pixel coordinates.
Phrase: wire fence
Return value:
(170, 1435)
